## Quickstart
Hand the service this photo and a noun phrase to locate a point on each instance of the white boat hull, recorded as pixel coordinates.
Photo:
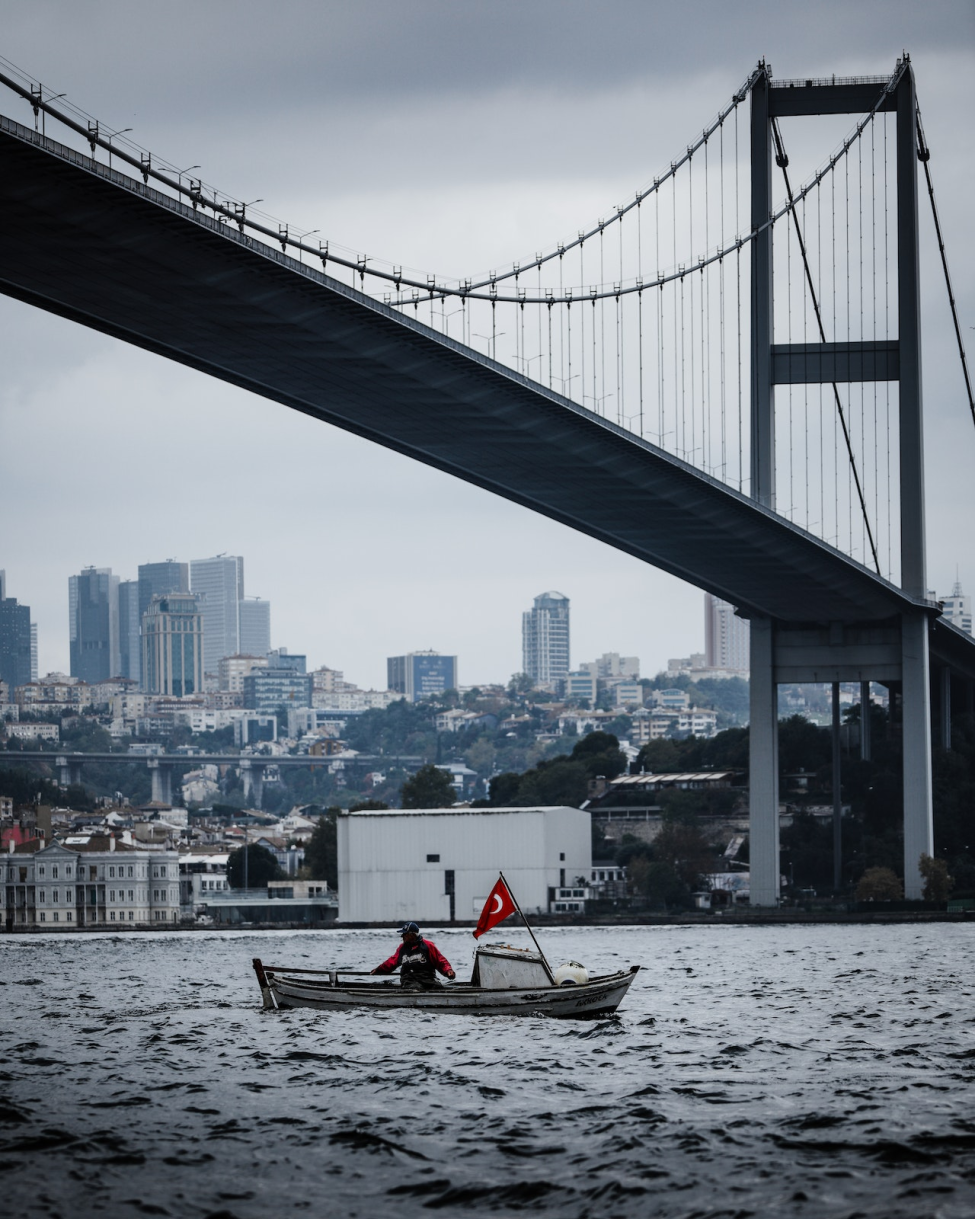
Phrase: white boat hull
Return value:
(598, 997)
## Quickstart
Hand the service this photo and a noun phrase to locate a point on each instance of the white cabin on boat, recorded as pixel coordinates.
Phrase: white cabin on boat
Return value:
(439, 865)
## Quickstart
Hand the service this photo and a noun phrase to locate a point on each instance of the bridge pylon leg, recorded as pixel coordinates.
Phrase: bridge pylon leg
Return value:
(763, 768)
(916, 731)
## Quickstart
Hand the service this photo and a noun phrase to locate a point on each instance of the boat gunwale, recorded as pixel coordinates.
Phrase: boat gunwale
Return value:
(461, 989)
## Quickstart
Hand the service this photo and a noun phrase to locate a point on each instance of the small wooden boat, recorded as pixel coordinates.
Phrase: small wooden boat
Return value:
(506, 981)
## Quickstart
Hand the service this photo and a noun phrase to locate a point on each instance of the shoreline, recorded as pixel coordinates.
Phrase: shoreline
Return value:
(685, 919)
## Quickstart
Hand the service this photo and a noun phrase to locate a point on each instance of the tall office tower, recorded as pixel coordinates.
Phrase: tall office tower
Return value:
(255, 627)
(93, 622)
(545, 639)
(726, 638)
(418, 674)
(15, 640)
(220, 584)
(172, 646)
(958, 609)
(33, 651)
(129, 624)
(157, 579)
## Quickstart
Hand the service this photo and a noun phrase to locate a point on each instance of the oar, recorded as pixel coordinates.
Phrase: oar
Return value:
(548, 968)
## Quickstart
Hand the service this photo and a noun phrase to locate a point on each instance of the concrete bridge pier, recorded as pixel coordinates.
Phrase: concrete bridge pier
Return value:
(252, 774)
(763, 767)
(162, 781)
(916, 735)
(69, 771)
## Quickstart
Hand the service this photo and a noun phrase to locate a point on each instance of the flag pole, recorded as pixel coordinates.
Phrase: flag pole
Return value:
(548, 968)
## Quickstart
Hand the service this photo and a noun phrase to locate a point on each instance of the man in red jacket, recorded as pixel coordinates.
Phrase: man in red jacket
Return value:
(419, 961)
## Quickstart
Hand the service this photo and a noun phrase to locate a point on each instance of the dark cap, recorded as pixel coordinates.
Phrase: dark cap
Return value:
(409, 927)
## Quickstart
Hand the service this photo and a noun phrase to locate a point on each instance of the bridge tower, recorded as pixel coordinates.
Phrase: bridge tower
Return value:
(893, 652)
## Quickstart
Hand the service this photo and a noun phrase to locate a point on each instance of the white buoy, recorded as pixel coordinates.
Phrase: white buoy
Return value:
(571, 974)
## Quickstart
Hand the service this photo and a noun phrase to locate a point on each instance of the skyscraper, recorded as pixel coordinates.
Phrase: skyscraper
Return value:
(157, 579)
(172, 646)
(219, 583)
(93, 624)
(255, 627)
(15, 639)
(726, 637)
(129, 629)
(545, 639)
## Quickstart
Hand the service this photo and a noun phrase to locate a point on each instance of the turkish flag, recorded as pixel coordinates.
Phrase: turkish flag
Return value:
(499, 906)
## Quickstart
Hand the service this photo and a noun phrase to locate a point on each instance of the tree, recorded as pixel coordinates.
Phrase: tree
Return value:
(937, 883)
(879, 885)
(684, 849)
(321, 851)
(430, 787)
(261, 867)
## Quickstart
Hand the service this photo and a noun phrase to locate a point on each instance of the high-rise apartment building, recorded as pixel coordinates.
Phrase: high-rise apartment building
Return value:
(129, 630)
(726, 637)
(418, 674)
(958, 609)
(545, 639)
(16, 636)
(255, 626)
(172, 646)
(94, 625)
(219, 583)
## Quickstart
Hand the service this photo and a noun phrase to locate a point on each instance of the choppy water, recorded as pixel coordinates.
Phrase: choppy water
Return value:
(808, 1071)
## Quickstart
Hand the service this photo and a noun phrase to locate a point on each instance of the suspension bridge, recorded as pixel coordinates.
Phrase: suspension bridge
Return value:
(721, 376)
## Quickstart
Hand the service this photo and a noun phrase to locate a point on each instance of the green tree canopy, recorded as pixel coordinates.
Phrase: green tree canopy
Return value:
(430, 787)
(261, 867)
(321, 851)
(937, 883)
(879, 885)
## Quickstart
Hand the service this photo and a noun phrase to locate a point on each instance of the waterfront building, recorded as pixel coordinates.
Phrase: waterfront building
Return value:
(545, 639)
(94, 624)
(268, 690)
(33, 651)
(130, 630)
(628, 694)
(255, 626)
(219, 582)
(88, 881)
(172, 646)
(437, 865)
(726, 637)
(419, 674)
(16, 640)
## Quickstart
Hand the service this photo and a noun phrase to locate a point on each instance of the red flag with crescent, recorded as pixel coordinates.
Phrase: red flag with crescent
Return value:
(499, 906)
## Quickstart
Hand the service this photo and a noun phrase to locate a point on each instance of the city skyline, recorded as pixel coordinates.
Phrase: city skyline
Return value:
(68, 391)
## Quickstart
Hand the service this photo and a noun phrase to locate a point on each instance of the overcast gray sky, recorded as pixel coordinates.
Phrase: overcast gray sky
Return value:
(444, 136)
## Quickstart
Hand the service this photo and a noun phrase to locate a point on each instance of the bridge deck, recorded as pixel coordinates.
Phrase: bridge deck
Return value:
(95, 246)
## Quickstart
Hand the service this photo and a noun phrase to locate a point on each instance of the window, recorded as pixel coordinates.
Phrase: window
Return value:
(55, 896)
(131, 895)
(67, 871)
(42, 895)
(433, 859)
(55, 916)
(130, 871)
(111, 897)
(43, 917)
(155, 895)
(562, 857)
(112, 916)
(54, 871)
(40, 870)
(111, 871)
(68, 917)
(131, 915)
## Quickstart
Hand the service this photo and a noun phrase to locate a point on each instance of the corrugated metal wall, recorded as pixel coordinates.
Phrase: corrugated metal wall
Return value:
(384, 874)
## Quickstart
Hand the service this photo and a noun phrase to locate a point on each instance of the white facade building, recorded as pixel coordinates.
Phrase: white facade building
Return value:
(87, 881)
(726, 636)
(434, 864)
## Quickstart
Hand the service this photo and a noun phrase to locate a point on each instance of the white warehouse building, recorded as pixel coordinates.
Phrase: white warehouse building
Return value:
(438, 864)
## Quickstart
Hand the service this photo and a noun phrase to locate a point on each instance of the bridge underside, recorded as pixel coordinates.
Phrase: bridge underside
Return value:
(100, 248)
